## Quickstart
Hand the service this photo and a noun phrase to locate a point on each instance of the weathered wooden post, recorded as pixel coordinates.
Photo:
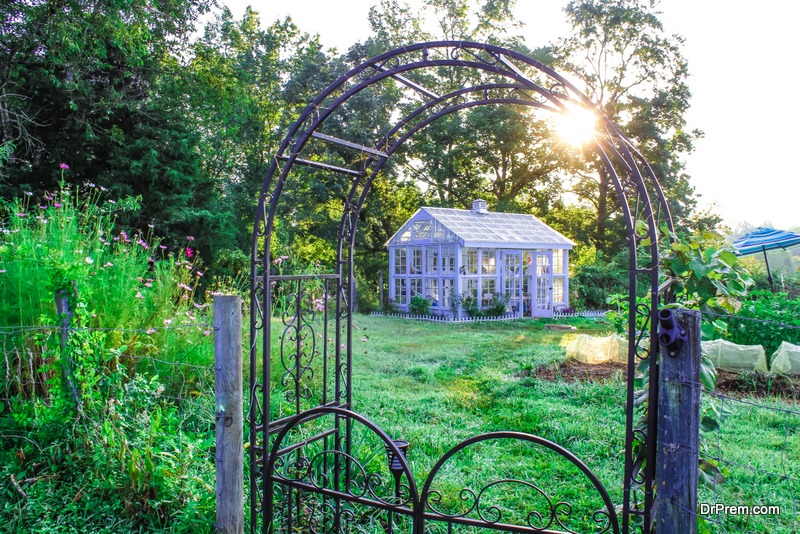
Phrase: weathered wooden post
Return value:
(228, 390)
(678, 422)
(65, 315)
(380, 288)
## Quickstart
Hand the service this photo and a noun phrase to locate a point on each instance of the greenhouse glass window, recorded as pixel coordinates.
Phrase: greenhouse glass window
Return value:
(400, 291)
(400, 265)
(488, 261)
(422, 229)
(432, 260)
(558, 262)
(416, 287)
(470, 261)
(447, 290)
(558, 290)
(488, 288)
(448, 259)
(432, 290)
(415, 266)
(471, 288)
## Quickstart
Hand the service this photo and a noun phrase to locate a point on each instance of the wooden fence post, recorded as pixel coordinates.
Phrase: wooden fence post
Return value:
(380, 289)
(228, 390)
(65, 315)
(675, 508)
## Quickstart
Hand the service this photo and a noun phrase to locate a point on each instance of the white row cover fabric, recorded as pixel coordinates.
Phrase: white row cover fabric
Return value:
(786, 359)
(733, 357)
(591, 349)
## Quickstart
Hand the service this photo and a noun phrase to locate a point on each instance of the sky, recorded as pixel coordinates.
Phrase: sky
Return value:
(743, 73)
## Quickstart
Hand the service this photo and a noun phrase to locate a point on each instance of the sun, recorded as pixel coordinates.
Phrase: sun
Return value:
(575, 125)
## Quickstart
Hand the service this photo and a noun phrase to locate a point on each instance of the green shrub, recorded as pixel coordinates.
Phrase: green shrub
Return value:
(761, 318)
(419, 305)
(470, 306)
(497, 306)
(366, 295)
(595, 279)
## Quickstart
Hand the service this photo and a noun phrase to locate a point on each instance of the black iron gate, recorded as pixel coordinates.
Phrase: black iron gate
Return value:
(316, 465)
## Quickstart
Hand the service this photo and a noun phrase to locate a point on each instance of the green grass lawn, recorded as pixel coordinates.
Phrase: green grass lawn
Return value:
(438, 384)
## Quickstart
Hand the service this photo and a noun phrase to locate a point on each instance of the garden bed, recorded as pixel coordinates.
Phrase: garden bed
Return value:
(750, 384)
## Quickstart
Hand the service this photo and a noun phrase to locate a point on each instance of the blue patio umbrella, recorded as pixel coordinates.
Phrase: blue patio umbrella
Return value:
(764, 239)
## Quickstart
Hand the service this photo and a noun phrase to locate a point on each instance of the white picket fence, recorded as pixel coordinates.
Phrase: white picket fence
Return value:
(587, 313)
(510, 317)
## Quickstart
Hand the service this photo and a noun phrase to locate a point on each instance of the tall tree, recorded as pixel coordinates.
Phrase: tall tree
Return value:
(93, 84)
(236, 92)
(636, 74)
(496, 152)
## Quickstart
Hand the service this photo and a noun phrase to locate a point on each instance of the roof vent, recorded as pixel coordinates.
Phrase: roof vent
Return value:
(479, 206)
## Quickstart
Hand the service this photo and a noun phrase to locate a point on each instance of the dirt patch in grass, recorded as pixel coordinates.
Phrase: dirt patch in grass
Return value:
(756, 384)
(747, 384)
(574, 371)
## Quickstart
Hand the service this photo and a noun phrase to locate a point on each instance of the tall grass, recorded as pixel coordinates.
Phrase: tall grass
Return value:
(111, 431)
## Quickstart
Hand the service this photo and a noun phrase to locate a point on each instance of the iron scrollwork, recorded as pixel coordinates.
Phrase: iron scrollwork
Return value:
(299, 352)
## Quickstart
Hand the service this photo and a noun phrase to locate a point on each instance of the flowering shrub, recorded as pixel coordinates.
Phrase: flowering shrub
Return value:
(106, 417)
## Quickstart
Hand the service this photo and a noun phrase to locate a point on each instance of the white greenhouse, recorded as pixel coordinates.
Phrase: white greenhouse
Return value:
(440, 253)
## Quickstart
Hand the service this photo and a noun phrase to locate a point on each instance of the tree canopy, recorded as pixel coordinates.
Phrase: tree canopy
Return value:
(187, 114)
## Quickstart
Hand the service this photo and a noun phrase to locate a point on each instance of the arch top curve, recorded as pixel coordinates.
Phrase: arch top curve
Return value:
(400, 90)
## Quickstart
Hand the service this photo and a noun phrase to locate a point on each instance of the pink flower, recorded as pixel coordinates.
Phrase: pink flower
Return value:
(199, 273)
(190, 238)
(57, 204)
(150, 331)
(184, 286)
(109, 264)
(167, 322)
(189, 252)
(63, 166)
(139, 295)
(162, 247)
(206, 332)
(22, 214)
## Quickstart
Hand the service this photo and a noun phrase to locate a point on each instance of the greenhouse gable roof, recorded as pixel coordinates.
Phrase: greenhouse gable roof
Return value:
(479, 228)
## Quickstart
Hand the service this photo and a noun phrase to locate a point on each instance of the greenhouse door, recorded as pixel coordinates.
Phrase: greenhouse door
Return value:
(542, 284)
(511, 280)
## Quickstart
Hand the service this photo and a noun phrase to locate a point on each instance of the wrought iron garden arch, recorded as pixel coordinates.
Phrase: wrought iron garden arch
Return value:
(304, 470)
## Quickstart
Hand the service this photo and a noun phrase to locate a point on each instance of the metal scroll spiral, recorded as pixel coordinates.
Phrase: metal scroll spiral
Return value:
(642, 333)
(376, 68)
(298, 346)
(311, 119)
(491, 514)
(316, 471)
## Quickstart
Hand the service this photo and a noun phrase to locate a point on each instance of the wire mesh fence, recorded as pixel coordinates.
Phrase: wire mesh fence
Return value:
(134, 404)
(751, 448)
(755, 450)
